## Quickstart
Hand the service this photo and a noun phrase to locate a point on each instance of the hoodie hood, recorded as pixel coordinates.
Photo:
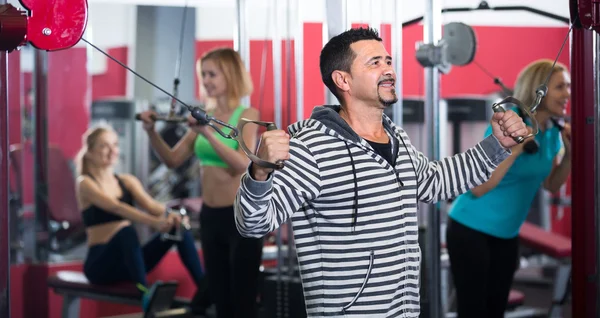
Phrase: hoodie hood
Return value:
(329, 116)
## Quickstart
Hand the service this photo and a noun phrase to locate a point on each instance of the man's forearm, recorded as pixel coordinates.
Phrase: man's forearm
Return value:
(452, 176)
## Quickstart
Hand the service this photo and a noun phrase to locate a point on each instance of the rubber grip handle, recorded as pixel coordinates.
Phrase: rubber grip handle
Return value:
(500, 109)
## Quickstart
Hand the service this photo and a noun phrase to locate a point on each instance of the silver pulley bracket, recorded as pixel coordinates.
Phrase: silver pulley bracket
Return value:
(457, 47)
(434, 55)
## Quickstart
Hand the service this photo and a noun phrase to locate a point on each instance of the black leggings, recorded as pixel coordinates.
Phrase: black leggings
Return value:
(482, 269)
(232, 263)
(123, 259)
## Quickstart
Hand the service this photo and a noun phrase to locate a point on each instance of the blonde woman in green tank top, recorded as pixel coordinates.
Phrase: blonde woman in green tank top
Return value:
(232, 262)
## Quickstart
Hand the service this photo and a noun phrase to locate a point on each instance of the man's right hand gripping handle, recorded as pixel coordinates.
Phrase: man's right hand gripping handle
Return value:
(274, 146)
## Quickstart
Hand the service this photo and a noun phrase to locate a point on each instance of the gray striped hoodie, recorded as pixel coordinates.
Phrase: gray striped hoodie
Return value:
(354, 215)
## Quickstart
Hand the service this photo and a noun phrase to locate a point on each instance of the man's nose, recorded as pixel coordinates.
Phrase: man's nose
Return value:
(389, 71)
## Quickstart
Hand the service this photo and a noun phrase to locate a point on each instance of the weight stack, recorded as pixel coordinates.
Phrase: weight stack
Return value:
(279, 303)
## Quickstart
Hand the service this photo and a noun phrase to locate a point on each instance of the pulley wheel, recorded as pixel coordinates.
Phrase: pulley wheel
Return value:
(461, 43)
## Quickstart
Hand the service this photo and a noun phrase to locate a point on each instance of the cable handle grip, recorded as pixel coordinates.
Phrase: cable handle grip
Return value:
(498, 108)
(254, 158)
(177, 234)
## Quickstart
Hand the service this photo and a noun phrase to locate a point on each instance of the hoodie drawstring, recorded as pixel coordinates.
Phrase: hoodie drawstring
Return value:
(355, 205)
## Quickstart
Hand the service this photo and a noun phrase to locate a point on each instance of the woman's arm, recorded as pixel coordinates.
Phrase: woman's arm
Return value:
(176, 156)
(90, 192)
(500, 171)
(496, 176)
(559, 174)
(235, 159)
(141, 197)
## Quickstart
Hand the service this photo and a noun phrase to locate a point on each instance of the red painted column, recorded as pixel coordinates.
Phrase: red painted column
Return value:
(584, 278)
(4, 235)
(40, 79)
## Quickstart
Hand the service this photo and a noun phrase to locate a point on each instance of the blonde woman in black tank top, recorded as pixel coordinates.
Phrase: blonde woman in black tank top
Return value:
(108, 203)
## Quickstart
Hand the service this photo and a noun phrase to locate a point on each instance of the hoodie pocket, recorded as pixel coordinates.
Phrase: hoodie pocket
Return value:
(364, 284)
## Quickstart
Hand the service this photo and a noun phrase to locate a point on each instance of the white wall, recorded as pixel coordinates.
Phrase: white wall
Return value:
(112, 22)
(119, 32)
(111, 25)
(158, 40)
(217, 20)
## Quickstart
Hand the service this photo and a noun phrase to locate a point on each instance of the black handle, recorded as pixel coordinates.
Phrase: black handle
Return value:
(155, 118)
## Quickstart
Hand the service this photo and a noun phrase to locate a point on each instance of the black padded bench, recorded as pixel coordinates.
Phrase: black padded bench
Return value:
(74, 285)
(557, 247)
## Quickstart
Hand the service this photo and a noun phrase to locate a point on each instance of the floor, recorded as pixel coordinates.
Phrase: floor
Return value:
(538, 289)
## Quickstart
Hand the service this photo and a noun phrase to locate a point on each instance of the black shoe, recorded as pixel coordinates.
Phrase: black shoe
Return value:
(201, 300)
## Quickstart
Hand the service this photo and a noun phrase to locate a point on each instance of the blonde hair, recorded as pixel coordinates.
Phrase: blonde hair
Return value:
(89, 139)
(532, 76)
(239, 83)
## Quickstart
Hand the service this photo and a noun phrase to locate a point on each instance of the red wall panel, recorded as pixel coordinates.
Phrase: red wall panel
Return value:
(263, 98)
(385, 32)
(261, 62)
(314, 90)
(114, 81)
(503, 51)
(360, 25)
(68, 99)
(288, 87)
(14, 97)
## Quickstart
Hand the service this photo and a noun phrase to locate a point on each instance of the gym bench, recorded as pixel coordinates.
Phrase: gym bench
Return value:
(74, 285)
(557, 247)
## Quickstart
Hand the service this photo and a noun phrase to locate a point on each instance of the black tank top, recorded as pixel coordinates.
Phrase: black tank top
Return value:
(94, 215)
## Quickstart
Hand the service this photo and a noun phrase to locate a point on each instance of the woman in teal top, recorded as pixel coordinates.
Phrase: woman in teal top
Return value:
(231, 261)
(484, 223)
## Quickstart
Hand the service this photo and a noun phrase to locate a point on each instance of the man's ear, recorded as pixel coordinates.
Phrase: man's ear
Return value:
(341, 80)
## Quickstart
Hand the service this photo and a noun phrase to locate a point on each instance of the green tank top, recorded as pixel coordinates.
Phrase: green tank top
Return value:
(206, 153)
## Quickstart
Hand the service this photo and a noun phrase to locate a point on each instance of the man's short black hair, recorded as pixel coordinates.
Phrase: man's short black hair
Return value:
(337, 54)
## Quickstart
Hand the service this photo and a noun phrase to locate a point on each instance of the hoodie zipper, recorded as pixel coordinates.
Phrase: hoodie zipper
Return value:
(396, 144)
(399, 183)
(364, 284)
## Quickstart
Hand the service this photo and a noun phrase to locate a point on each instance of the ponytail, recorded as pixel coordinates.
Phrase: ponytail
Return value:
(82, 164)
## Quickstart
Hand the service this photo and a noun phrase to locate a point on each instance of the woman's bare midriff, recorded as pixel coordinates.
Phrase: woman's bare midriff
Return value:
(219, 187)
(102, 233)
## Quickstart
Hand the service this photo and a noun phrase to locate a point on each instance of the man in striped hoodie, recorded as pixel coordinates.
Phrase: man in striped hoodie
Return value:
(351, 183)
